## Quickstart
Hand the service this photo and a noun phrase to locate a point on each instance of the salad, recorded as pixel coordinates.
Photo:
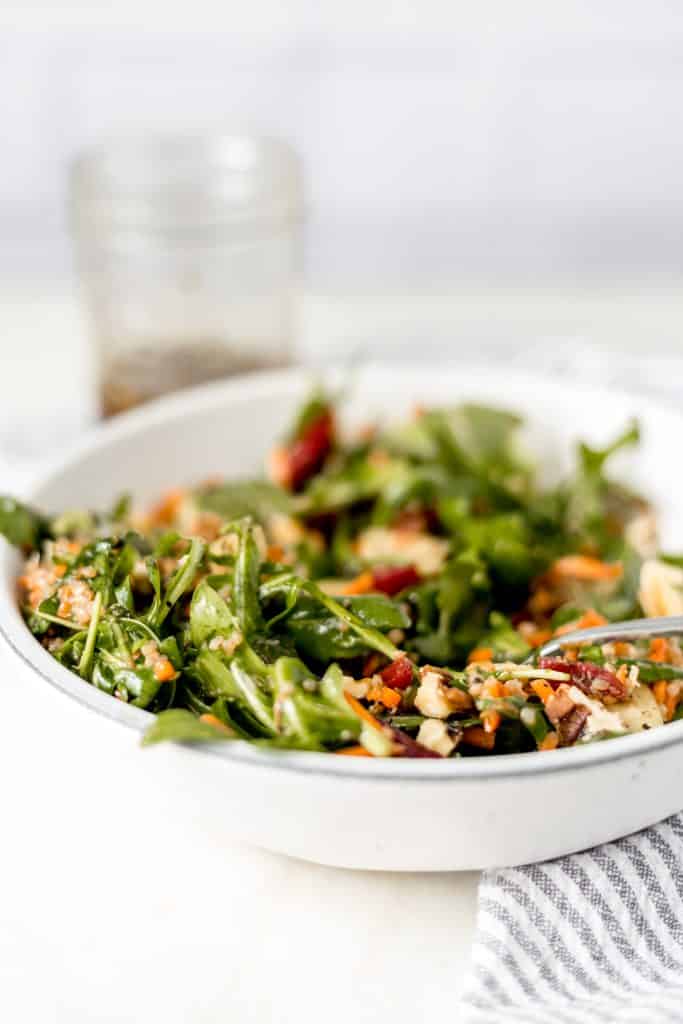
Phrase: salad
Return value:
(380, 594)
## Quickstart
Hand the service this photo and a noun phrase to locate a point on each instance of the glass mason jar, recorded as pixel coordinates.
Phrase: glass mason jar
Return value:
(189, 249)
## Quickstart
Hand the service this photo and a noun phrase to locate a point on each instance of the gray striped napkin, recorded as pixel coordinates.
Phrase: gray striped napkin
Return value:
(592, 938)
(595, 937)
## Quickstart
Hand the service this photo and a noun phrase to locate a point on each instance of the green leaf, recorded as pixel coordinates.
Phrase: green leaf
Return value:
(209, 615)
(238, 681)
(120, 510)
(378, 611)
(358, 481)
(588, 492)
(238, 499)
(21, 525)
(182, 726)
(179, 583)
(504, 640)
(325, 639)
(315, 406)
(85, 664)
(245, 587)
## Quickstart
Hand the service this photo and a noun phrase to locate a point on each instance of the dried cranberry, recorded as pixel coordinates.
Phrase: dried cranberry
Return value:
(308, 452)
(590, 679)
(390, 579)
(398, 675)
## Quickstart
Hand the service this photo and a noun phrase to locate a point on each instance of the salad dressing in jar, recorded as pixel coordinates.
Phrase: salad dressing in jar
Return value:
(189, 250)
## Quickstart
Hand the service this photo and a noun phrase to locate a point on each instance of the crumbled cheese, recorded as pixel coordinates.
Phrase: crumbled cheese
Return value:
(600, 719)
(435, 736)
(661, 588)
(633, 715)
(641, 711)
(404, 547)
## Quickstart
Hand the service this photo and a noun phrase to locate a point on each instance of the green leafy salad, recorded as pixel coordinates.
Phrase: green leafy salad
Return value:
(377, 595)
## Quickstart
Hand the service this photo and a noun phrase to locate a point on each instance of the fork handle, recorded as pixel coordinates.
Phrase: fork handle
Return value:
(633, 629)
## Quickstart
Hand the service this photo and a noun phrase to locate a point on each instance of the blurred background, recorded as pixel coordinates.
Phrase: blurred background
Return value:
(496, 178)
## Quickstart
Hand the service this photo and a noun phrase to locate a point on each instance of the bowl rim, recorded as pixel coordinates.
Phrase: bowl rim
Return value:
(244, 389)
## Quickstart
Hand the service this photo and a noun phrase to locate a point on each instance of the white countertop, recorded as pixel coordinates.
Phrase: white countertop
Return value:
(109, 905)
(112, 909)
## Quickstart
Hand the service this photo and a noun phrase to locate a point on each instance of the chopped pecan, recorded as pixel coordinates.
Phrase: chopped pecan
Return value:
(570, 726)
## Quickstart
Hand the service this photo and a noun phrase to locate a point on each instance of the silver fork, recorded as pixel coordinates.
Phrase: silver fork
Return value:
(633, 629)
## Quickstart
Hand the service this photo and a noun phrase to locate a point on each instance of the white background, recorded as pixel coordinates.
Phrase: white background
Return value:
(441, 141)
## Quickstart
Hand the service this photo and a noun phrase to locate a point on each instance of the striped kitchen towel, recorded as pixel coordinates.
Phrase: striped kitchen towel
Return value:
(594, 937)
(591, 938)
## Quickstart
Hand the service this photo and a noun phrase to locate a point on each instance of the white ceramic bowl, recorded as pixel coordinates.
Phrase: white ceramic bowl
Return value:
(379, 814)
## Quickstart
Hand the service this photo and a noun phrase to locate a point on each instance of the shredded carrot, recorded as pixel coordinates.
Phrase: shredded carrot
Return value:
(275, 553)
(356, 751)
(659, 649)
(586, 621)
(542, 690)
(280, 467)
(660, 691)
(166, 510)
(622, 648)
(491, 720)
(583, 567)
(480, 654)
(60, 570)
(163, 670)
(538, 637)
(672, 699)
(549, 741)
(385, 695)
(475, 736)
(362, 712)
(361, 584)
(210, 719)
(492, 688)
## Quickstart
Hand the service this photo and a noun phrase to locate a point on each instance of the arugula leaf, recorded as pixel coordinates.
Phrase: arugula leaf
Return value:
(209, 615)
(21, 525)
(182, 726)
(239, 499)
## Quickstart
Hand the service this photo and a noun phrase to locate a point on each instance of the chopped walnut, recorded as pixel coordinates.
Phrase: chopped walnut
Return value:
(434, 735)
(435, 698)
